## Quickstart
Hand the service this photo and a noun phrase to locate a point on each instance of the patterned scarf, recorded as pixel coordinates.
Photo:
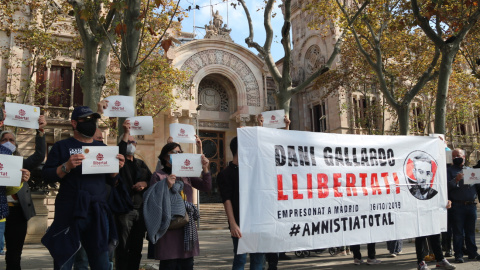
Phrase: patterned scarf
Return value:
(190, 236)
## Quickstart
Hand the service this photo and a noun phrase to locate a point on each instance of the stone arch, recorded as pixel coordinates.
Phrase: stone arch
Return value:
(217, 61)
(241, 94)
(220, 91)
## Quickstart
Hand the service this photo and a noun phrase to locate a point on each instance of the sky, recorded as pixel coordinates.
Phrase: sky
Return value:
(236, 20)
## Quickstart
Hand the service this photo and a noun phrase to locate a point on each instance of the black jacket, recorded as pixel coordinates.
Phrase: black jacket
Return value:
(30, 163)
(132, 173)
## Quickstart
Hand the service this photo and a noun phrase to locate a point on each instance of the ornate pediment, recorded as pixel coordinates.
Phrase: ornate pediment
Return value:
(217, 30)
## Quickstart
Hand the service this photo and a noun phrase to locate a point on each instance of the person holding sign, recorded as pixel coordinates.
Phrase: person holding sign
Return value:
(21, 206)
(287, 121)
(82, 216)
(173, 249)
(228, 183)
(131, 225)
(8, 191)
(464, 208)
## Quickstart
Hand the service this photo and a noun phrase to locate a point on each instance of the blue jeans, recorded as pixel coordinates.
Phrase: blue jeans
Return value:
(239, 260)
(2, 238)
(395, 246)
(96, 261)
(463, 227)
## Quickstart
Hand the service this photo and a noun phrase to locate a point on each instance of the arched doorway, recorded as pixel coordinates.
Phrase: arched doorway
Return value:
(217, 95)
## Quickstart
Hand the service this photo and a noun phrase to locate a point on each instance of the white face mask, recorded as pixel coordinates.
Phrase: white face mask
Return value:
(130, 149)
(10, 146)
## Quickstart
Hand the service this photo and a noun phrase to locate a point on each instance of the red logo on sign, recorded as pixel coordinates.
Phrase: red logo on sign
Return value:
(117, 103)
(182, 131)
(273, 117)
(1, 166)
(136, 123)
(187, 162)
(21, 112)
(99, 157)
(473, 174)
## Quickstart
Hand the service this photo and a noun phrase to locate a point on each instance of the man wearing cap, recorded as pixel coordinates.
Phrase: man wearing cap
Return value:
(82, 216)
(464, 208)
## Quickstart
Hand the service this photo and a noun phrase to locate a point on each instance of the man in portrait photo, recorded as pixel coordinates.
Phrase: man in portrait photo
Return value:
(423, 173)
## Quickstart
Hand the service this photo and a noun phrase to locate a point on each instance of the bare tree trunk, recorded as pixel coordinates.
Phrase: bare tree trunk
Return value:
(442, 89)
(403, 114)
(129, 53)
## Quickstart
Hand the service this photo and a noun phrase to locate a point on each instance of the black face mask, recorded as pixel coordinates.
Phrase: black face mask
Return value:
(87, 129)
(458, 161)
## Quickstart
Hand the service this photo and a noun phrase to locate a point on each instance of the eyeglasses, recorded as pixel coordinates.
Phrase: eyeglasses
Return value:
(175, 152)
(129, 142)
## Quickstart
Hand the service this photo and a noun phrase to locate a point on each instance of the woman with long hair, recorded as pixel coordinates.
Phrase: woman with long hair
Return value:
(172, 249)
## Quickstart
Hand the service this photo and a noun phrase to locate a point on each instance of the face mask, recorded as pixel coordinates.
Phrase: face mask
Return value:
(458, 161)
(10, 146)
(130, 149)
(87, 129)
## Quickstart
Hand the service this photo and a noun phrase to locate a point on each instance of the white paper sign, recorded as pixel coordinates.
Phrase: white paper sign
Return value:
(307, 190)
(471, 176)
(10, 174)
(274, 119)
(100, 159)
(119, 106)
(21, 115)
(448, 156)
(187, 165)
(182, 133)
(141, 125)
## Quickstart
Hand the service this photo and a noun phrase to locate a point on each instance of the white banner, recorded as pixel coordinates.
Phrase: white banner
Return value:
(471, 176)
(21, 115)
(119, 106)
(187, 165)
(100, 159)
(141, 125)
(274, 119)
(305, 190)
(182, 133)
(10, 174)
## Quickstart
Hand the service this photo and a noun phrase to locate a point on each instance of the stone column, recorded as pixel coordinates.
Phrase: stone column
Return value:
(47, 86)
(72, 86)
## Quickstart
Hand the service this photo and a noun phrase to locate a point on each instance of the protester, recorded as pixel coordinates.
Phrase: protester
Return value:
(273, 258)
(228, 184)
(21, 206)
(395, 247)
(7, 191)
(131, 225)
(357, 255)
(82, 216)
(177, 247)
(435, 247)
(81, 258)
(464, 209)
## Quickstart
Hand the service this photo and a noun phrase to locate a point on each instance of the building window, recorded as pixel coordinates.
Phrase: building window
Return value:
(319, 121)
(461, 129)
(365, 112)
(418, 117)
(59, 87)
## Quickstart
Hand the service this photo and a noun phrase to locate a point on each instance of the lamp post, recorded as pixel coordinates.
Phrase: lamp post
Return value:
(199, 107)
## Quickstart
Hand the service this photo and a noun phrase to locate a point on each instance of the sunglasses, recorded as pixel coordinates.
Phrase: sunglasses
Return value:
(129, 142)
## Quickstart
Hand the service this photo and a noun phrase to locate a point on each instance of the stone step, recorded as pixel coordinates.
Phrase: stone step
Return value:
(213, 217)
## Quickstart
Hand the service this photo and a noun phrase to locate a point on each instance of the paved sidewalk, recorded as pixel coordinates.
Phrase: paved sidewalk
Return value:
(216, 253)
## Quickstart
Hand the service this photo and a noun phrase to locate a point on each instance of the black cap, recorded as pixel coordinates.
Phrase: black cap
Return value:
(83, 111)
